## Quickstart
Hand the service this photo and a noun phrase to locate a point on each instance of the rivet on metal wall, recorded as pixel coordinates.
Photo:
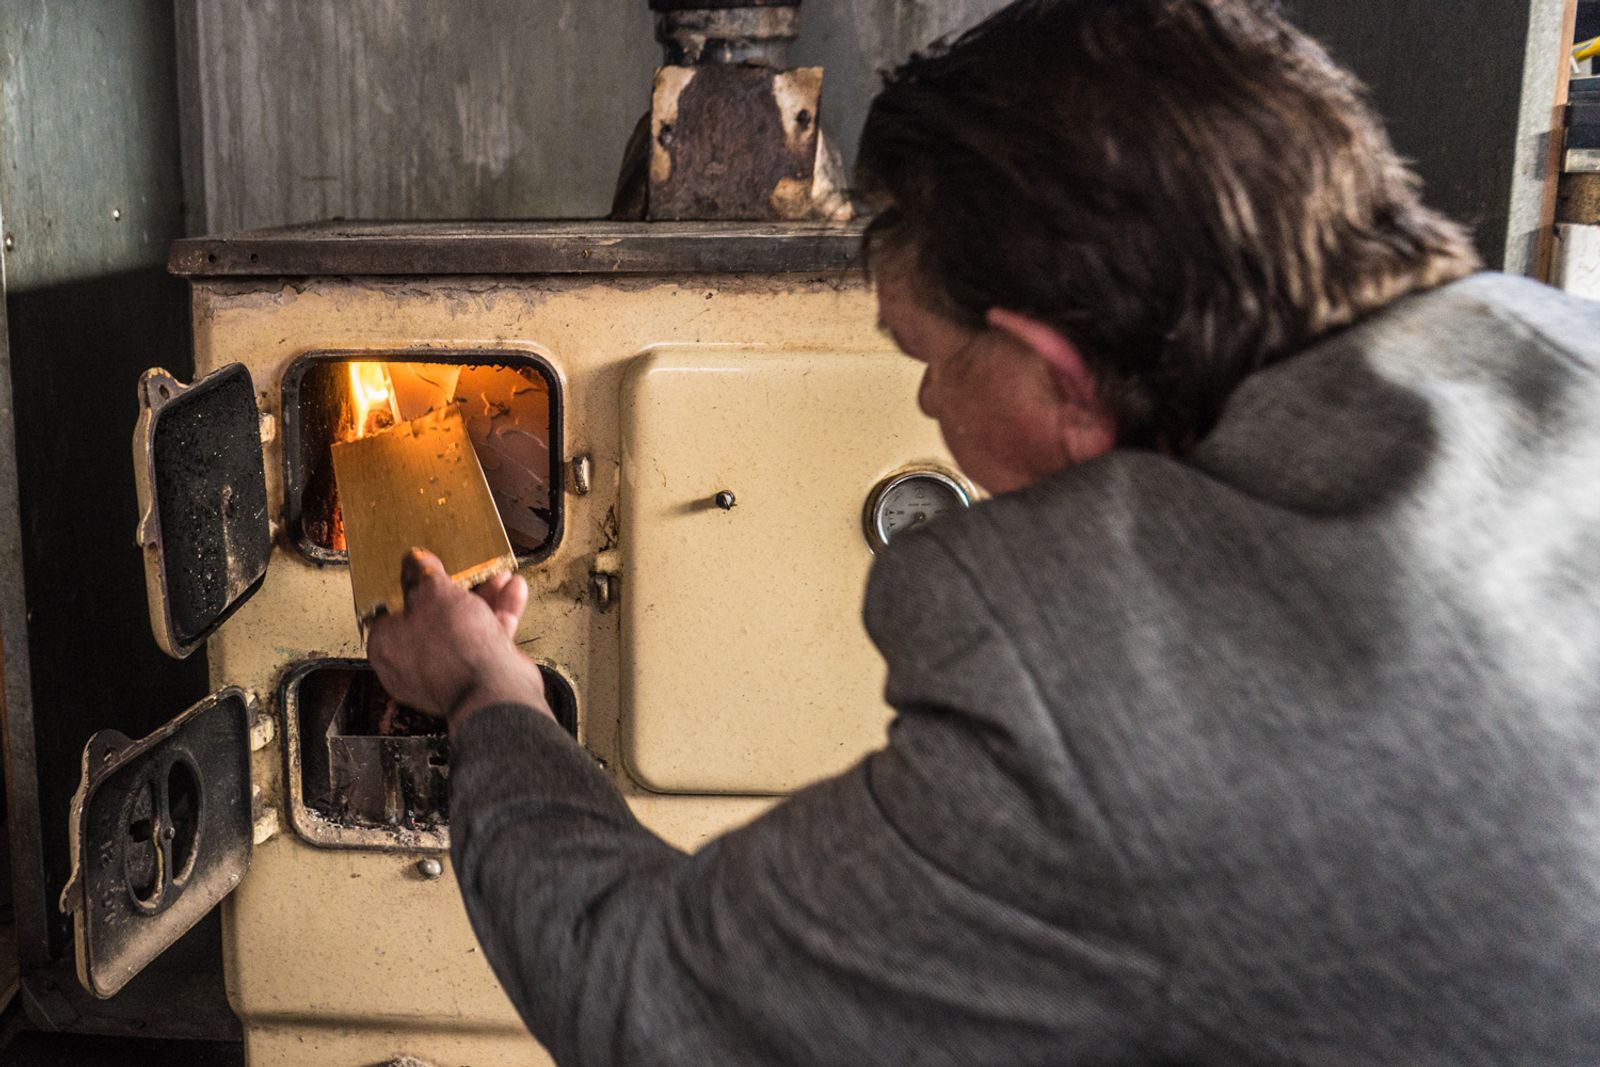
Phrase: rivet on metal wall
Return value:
(11, 242)
(116, 214)
(724, 500)
(429, 868)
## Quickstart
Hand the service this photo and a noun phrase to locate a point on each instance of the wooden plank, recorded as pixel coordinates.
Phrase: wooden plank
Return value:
(417, 485)
(1543, 266)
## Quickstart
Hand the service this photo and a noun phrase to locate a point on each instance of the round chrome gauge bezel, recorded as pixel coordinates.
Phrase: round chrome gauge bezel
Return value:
(877, 536)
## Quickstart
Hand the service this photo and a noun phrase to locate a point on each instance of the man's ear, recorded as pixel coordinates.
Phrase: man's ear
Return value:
(1060, 354)
(1088, 427)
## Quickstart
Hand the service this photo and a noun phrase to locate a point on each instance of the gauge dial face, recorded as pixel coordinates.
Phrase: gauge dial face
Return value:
(908, 501)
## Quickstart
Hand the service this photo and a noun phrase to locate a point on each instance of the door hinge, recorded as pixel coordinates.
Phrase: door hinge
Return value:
(605, 578)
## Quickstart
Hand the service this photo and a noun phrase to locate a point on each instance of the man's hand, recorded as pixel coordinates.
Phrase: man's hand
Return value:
(452, 652)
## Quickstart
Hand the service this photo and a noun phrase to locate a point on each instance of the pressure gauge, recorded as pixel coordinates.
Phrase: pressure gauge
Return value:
(909, 500)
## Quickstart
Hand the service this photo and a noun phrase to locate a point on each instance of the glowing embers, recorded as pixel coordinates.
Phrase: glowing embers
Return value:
(509, 408)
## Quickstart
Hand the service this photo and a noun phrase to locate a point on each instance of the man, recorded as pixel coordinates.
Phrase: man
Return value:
(1256, 718)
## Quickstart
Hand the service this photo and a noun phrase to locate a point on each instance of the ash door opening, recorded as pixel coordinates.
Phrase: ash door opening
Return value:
(368, 762)
(511, 405)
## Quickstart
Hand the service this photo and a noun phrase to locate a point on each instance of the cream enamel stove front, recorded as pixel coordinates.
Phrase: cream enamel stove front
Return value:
(727, 439)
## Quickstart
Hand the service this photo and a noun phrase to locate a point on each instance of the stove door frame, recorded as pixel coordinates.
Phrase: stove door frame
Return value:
(295, 473)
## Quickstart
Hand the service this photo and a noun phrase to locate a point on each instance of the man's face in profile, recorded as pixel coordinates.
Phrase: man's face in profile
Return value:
(1012, 398)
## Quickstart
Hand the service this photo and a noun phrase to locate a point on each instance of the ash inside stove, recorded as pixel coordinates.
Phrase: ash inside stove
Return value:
(369, 761)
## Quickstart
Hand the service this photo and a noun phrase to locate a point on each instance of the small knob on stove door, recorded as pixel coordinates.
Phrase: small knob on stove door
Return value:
(429, 868)
(724, 500)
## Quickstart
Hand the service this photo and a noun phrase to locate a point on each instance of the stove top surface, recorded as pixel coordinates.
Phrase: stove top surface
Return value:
(569, 246)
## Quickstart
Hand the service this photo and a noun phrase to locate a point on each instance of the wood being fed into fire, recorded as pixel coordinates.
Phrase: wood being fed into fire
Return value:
(413, 484)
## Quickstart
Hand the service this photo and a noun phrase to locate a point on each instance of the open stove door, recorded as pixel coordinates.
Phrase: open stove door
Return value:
(160, 831)
(202, 486)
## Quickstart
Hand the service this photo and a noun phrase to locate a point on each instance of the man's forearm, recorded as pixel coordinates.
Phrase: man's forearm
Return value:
(824, 932)
(543, 844)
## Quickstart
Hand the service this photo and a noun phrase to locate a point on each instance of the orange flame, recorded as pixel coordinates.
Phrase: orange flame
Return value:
(371, 397)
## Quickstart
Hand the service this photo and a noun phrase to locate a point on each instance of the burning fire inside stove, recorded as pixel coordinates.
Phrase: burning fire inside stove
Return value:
(371, 398)
(508, 408)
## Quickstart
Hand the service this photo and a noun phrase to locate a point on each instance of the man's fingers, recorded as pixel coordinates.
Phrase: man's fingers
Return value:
(507, 597)
(419, 565)
(377, 637)
(513, 602)
(491, 586)
(418, 570)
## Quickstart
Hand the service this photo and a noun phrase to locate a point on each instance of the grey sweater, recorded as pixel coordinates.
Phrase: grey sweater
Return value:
(1286, 751)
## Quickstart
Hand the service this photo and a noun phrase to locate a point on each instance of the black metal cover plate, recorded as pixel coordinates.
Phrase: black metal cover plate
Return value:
(161, 831)
(203, 501)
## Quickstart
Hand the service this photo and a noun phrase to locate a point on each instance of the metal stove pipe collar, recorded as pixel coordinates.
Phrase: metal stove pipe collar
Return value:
(687, 5)
(704, 35)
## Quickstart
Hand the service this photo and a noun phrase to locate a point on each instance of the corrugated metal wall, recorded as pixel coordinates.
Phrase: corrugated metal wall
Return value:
(89, 176)
(304, 109)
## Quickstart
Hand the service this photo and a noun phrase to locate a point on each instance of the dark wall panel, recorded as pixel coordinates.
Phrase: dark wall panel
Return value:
(1453, 82)
(89, 202)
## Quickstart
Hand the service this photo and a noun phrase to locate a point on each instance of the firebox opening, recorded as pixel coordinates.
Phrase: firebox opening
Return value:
(512, 410)
(367, 761)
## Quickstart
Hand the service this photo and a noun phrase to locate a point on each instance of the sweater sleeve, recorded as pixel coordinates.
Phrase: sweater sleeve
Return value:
(858, 922)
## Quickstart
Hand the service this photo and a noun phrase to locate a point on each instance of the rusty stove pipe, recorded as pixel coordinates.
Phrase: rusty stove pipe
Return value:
(733, 131)
(703, 32)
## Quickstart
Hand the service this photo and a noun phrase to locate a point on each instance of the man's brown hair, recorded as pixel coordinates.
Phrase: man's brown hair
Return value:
(1187, 189)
